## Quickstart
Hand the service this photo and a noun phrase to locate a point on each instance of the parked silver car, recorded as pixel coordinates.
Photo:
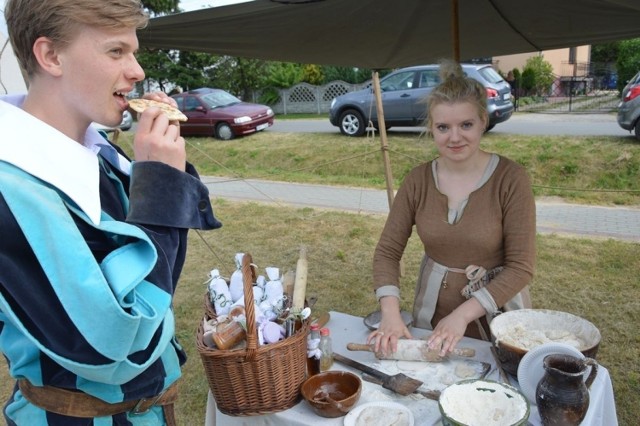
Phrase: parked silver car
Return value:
(629, 107)
(125, 124)
(403, 99)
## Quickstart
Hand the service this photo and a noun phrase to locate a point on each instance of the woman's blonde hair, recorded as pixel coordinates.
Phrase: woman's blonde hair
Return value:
(59, 20)
(456, 87)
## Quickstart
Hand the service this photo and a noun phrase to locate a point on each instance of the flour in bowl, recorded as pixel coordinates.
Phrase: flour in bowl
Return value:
(482, 403)
(527, 339)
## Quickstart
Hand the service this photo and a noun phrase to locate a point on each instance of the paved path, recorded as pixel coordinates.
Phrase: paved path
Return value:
(521, 123)
(552, 217)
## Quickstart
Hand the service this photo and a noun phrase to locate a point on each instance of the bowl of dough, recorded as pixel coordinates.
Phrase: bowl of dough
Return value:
(517, 332)
(332, 393)
(483, 402)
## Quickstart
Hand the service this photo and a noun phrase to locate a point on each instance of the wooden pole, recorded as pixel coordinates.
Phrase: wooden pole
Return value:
(384, 147)
(383, 137)
(455, 30)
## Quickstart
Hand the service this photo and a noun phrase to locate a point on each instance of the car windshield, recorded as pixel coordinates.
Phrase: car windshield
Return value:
(220, 98)
(490, 74)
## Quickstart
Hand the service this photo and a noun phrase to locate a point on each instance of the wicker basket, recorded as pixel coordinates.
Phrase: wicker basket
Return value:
(257, 379)
(209, 309)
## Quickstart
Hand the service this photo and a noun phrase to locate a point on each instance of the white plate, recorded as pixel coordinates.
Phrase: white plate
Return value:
(352, 416)
(531, 370)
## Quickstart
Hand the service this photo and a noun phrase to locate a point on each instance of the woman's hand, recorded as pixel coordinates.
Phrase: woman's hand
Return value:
(447, 334)
(391, 328)
(157, 138)
(451, 328)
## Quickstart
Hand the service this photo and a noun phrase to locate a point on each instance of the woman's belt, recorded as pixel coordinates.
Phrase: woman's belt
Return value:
(79, 404)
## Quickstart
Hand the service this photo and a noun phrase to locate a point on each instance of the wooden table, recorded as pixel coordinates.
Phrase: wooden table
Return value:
(348, 328)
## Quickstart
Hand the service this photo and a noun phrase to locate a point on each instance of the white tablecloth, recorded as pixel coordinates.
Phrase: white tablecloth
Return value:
(347, 328)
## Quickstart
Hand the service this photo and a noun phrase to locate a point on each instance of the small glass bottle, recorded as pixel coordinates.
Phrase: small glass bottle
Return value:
(326, 359)
(313, 350)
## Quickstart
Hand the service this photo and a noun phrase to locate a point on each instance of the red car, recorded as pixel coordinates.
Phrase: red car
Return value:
(214, 112)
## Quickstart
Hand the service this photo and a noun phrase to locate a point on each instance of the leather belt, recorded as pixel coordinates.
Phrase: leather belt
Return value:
(78, 404)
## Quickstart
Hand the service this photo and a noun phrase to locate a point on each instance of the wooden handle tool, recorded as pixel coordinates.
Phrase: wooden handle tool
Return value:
(412, 350)
(399, 383)
(431, 394)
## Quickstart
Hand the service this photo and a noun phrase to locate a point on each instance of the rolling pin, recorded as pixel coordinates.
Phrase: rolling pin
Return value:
(412, 350)
(300, 282)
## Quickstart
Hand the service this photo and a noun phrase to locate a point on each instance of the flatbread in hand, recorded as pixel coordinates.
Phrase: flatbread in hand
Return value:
(139, 105)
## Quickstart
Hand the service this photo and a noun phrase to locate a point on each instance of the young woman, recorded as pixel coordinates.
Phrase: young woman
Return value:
(474, 212)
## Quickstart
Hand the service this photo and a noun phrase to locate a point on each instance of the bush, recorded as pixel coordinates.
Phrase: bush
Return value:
(539, 76)
(269, 96)
(628, 63)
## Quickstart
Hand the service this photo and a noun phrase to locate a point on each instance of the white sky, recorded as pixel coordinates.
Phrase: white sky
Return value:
(186, 5)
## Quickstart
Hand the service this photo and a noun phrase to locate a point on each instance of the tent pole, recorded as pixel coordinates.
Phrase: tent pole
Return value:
(383, 137)
(384, 147)
(455, 30)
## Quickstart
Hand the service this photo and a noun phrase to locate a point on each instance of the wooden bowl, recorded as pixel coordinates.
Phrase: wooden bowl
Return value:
(332, 393)
(517, 332)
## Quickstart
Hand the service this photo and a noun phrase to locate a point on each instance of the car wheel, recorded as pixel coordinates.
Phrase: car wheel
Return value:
(224, 132)
(489, 127)
(352, 123)
(636, 129)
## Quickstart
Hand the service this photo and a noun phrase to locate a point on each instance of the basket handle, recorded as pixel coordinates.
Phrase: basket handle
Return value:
(249, 306)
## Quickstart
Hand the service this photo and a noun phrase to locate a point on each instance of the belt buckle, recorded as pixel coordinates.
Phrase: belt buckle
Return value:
(136, 411)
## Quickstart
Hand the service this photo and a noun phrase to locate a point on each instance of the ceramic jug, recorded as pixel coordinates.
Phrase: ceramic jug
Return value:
(562, 395)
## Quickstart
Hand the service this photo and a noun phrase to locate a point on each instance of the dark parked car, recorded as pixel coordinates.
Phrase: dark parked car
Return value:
(629, 107)
(214, 112)
(403, 99)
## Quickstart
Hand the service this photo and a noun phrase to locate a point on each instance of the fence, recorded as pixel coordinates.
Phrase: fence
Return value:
(309, 99)
(583, 88)
(586, 87)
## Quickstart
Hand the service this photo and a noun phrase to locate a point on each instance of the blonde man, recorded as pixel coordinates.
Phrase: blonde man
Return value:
(93, 243)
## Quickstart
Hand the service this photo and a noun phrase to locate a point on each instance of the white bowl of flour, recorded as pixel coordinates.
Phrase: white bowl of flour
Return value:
(483, 403)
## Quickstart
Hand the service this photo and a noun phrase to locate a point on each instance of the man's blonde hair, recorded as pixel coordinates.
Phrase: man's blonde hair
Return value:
(456, 87)
(59, 20)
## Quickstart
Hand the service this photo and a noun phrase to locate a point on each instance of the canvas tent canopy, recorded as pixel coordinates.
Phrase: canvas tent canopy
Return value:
(382, 34)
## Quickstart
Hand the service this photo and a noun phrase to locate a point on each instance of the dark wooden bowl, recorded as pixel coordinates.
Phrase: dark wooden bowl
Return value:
(332, 393)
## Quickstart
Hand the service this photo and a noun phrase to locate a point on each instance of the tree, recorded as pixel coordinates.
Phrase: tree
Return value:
(156, 63)
(161, 7)
(528, 81)
(537, 75)
(240, 76)
(349, 74)
(605, 53)
(312, 74)
(628, 63)
(283, 75)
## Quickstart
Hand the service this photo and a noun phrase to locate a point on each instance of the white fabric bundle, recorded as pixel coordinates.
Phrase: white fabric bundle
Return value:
(273, 291)
(236, 286)
(219, 293)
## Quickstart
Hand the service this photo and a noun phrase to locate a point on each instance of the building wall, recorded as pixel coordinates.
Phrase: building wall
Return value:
(558, 58)
(11, 80)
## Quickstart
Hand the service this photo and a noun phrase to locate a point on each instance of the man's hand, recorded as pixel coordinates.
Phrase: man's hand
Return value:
(158, 139)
